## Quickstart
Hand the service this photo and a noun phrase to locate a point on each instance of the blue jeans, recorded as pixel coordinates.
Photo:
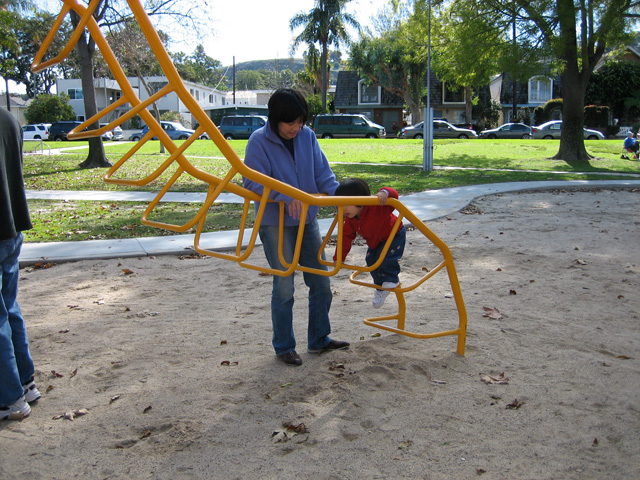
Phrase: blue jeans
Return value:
(320, 295)
(389, 269)
(16, 365)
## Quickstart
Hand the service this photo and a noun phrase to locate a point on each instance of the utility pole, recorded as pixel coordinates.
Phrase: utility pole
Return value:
(427, 140)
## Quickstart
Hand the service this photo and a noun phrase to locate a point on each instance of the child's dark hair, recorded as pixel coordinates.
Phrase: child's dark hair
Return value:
(287, 105)
(353, 187)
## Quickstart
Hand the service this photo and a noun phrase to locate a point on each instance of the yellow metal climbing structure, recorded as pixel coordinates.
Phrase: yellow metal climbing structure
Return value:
(217, 185)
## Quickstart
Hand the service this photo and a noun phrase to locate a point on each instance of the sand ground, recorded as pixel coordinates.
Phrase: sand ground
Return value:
(171, 359)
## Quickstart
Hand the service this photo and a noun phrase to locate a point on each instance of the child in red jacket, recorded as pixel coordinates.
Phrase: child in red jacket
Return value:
(374, 224)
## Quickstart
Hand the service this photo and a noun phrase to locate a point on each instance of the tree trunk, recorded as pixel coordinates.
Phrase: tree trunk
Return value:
(468, 108)
(323, 67)
(514, 113)
(572, 149)
(574, 84)
(86, 48)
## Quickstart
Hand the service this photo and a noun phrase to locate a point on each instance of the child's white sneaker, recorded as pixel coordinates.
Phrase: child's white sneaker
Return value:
(16, 411)
(31, 393)
(379, 296)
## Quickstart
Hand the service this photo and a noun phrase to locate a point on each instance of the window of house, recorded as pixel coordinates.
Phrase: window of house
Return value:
(452, 94)
(75, 93)
(540, 89)
(368, 93)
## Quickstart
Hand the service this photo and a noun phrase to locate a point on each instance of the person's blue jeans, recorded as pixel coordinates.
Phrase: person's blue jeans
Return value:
(16, 365)
(389, 269)
(282, 300)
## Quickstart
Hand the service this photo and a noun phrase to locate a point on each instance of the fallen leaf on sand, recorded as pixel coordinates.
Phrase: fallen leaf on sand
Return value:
(493, 313)
(498, 380)
(72, 414)
(516, 404)
(300, 428)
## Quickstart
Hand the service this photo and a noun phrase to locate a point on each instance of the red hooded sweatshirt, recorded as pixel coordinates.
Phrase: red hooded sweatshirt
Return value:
(374, 224)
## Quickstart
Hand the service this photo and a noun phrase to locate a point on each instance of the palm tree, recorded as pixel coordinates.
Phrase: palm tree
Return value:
(324, 24)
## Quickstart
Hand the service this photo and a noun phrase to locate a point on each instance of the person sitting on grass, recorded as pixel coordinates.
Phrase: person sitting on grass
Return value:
(631, 145)
(374, 223)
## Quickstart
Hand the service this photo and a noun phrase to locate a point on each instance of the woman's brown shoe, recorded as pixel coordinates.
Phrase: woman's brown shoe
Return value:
(291, 358)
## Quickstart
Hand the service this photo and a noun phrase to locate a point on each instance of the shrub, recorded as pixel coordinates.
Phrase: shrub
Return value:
(48, 108)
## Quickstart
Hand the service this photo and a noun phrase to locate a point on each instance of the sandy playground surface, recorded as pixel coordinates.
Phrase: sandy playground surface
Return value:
(171, 361)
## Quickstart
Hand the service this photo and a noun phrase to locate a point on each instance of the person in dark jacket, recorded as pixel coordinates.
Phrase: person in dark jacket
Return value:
(287, 150)
(374, 223)
(17, 387)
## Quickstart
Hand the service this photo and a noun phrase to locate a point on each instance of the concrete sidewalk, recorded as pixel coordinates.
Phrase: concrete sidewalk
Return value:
(425, 205)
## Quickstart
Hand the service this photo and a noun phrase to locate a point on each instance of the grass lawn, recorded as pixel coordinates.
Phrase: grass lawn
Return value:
(393, 162)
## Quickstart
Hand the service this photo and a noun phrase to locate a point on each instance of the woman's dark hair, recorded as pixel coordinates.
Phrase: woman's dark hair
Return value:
(353, 187)
(287, 105)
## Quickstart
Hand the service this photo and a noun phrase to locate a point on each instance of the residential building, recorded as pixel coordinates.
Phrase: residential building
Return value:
(535, 92)
(353, 95)
(18, 105)
(108, 91)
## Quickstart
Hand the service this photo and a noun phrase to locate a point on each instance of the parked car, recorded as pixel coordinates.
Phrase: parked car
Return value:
(108, 135)
(508, 130)
(175, 130)
(58, 130)
(35, 131)
(347, 125)
(115, 134)
(240, 126)
(553, 129)
(441, 129)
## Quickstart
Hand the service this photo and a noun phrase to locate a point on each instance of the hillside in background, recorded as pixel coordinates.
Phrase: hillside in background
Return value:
(273, 65)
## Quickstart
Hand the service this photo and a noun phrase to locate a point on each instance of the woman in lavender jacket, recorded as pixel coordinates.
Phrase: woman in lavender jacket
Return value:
(287, 150)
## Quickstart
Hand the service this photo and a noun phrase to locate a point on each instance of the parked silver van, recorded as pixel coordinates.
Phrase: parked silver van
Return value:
(347, 125)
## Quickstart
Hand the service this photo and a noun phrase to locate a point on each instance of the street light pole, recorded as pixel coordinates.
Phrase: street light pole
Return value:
(427, 143)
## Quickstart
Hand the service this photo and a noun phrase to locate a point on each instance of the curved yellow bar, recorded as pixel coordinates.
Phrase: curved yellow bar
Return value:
(237, 167)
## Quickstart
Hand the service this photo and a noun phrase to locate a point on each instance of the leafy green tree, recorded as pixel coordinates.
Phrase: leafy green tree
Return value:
(49, 108)
(577, 34)
(617, 84)
(136, 58)
(108, 14)
(250, 80)
(208, 71)
(395, 60)
(9, 47)
(325, 24)
(459, 33)
(30, 33)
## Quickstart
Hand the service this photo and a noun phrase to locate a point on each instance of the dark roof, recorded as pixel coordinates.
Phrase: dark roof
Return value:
(347, 91)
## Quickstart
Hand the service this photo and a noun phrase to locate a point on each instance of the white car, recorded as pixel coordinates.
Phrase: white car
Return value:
(553, 130)
(36, 131)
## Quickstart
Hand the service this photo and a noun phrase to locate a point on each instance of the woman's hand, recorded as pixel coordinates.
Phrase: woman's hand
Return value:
(295, 209)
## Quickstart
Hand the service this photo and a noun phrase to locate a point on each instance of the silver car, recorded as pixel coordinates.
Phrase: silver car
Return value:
(508, 130)
(441, 129)
(553, 129)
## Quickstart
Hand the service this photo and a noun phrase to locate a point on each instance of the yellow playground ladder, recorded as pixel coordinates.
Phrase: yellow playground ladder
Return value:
(216, 185)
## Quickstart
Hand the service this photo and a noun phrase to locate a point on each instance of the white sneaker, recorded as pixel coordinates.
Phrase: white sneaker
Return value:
(379, 296)
(31, 393)
(17, 411)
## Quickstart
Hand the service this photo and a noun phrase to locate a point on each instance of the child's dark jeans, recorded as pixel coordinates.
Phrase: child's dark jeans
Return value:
(389, 268)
